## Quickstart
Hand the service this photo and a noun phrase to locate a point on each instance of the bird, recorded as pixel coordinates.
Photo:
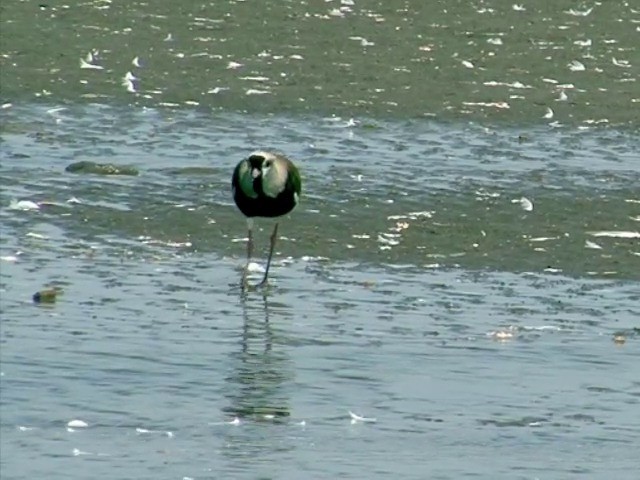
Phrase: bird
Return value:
(265, 184)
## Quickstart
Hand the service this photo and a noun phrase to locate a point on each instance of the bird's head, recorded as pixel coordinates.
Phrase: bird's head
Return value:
(269, 170)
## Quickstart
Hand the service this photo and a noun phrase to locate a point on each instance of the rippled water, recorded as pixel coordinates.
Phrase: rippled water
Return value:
(412, 286)
(457, 295)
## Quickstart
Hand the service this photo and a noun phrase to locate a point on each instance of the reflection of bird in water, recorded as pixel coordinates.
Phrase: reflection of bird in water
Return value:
(256, 383)
(265, 185)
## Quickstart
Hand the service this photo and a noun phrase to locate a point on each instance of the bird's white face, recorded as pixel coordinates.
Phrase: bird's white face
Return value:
(274, 174)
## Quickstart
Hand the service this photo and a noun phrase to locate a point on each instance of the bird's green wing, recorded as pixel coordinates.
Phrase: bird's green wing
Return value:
(294, 182)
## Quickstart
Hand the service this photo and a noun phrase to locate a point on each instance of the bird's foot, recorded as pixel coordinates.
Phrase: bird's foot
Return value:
(249, 287)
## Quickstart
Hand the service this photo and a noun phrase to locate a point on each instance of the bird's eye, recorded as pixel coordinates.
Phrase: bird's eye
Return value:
(267, 164)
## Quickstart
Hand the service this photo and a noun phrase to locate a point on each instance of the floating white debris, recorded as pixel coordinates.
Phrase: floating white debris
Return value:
(384, 238)
(524, 202)
(127, 82)
(482, 193)
(552, 328)
(616, 234)
(6, 105)
(583, 43)
(234, 65)
(53, 111)
(400, 226)
(90, 56)
(621, 63)
(91, 66)
(77, 452)
(495, 41)
(502, 335)
(579, 13)
(168, 38)
(24, 429)
(518, 8)
(255, 91)
(307, 258)
(136, 62)
(543, 239)
(23, 205)
(516, 84)
(562, 97)
(255, 79)
(235, 421)
(590, 244)
(412, 215)
(357, 418)
(487, 104)
(9, 258)
(39, 236)
(467, 64)
(548, 114)
(363, 41)
(142, 430)
(576, 66)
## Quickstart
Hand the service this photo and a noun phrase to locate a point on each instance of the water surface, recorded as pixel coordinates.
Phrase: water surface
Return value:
(461, 271)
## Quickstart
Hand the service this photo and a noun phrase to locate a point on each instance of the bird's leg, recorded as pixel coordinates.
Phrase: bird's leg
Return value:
(249, 239)
(249, 250)
(274, 235)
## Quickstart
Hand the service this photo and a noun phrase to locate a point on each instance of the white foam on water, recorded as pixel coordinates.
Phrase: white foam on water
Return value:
(23, 205)
(254, 267)
(358, 418)
(77, 424)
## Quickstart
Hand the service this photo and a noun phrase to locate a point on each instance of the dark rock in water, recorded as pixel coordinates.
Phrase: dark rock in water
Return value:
(46, 296)
(94, 168)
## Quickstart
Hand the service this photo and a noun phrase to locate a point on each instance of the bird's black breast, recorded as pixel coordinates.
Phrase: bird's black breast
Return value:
(264, 206)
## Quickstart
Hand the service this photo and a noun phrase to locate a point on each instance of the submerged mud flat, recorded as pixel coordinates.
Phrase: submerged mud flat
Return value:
(408, 193)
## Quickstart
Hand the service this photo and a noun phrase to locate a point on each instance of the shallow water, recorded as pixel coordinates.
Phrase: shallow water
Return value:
(408, 287)
(461, 272)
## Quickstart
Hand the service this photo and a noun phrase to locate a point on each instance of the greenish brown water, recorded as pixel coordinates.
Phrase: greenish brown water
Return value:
(447, 60)
(464, 273)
